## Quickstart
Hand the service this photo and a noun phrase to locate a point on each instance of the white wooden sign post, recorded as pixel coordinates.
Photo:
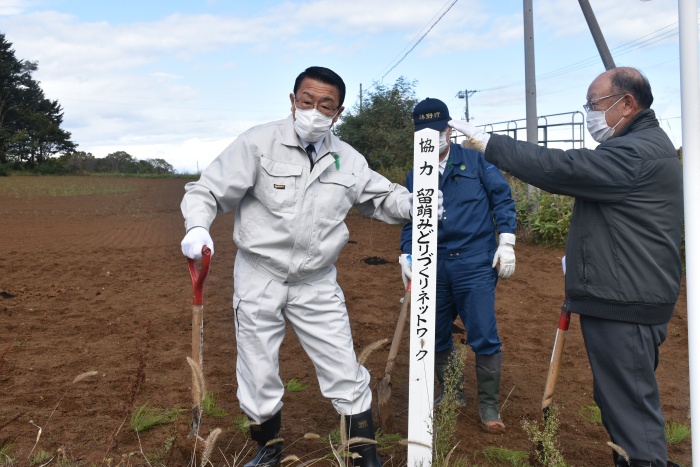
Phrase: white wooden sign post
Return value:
(422, 335)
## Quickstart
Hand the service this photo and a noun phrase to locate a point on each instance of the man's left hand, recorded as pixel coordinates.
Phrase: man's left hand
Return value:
(441, 209)
(505, 255)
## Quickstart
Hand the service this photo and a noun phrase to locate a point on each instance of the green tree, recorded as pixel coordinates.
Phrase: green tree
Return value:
(78, 162)
(381, 127)
(118, 162)
(161, 166)
(30, 124)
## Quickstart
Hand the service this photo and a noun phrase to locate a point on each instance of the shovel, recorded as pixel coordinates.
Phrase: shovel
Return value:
(198, 278)
(384, 390)
(555, 362)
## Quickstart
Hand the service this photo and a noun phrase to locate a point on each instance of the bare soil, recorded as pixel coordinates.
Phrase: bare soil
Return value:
(98, 283)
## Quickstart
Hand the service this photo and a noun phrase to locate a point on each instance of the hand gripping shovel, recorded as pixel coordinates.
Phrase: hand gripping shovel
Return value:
(198, 334)
(384, 390)
(555, 362)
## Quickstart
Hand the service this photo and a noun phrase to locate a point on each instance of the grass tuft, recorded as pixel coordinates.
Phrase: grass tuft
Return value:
(676, 432)
(40, 457)
(145, 418)
(591, 413)
(501, 456)
(242, 424)
(210, 407)
(295, 385)
(6, 453)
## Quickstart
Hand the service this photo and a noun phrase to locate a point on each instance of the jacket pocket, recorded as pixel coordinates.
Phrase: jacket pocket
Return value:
(583, 261)
(278, 185)
(337, 194)
(468, 186)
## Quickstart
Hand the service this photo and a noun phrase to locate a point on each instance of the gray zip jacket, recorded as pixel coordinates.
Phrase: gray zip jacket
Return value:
(290, 219)
(623, 249)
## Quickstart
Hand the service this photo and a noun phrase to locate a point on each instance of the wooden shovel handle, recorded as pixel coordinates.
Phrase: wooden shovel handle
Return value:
(555, 362)
(398, 333)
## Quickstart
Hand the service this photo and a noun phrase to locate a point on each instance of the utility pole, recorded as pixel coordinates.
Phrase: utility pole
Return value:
(530, 82)
(597, 35)
(360, 97)
(465, 95)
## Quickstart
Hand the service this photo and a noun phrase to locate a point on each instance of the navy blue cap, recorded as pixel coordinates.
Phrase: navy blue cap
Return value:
(431, 113)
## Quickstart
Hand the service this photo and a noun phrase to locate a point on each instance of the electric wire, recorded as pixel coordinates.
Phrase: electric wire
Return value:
(432, 25)
(623, 49)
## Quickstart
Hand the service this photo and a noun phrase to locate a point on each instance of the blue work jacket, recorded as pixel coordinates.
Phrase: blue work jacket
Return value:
(476, 200)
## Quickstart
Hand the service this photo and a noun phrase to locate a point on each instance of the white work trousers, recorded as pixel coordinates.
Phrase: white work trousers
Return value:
(315, 309)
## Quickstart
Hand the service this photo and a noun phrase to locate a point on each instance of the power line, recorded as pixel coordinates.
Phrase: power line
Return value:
(619, 50)
(417, 40)
(421, 38)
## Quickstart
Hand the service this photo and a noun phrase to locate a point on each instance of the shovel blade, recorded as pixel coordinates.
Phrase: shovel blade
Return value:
(196, 421)
(383, 398)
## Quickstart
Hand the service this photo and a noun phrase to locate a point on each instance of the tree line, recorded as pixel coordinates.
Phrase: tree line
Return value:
(379, 126)
(31, 137)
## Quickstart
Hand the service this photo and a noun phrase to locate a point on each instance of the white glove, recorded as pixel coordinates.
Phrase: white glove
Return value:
(405, 262)
(194, 240)
(505, 254)
(471, 132)
(563, 264)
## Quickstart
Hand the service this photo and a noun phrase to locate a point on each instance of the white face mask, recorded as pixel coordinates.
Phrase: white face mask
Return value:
(311, 125)
(597, 125)
(443, 142)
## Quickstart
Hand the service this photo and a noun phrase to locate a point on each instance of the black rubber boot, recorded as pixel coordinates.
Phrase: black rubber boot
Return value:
(488, 381)
(361, 426)
(268, 455)
(442, 360)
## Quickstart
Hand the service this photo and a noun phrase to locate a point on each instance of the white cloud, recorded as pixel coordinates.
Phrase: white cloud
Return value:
(12, 7)
(162, 88)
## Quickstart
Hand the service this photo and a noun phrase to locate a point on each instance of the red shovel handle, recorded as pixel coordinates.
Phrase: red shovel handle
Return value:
(564, 319)
(198, 277)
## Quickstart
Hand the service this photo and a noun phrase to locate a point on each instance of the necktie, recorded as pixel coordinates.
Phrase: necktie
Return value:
(310, 153)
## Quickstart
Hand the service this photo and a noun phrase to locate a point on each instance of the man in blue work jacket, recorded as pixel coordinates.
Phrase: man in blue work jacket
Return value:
(477, 202)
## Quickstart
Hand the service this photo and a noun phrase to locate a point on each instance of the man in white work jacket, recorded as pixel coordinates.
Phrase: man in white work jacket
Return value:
(291, 183)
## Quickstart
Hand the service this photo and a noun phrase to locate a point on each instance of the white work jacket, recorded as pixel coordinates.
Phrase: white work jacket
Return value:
(289, 218)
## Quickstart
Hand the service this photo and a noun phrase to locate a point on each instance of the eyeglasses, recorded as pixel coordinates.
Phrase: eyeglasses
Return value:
(588, 106)
(326, 108)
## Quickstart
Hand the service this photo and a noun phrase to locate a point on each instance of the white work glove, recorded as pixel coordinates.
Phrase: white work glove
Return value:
(563, 264)
(193, 242)
(505, 255)
(472, 132)
(405, 262)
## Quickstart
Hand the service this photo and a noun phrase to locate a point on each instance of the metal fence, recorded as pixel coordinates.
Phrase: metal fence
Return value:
(562, 130)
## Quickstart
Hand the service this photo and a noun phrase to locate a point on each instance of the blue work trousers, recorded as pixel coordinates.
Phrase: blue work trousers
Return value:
(466, 286)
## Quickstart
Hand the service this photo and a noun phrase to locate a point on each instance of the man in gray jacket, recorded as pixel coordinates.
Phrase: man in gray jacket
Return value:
(623, 264)
(291, 183)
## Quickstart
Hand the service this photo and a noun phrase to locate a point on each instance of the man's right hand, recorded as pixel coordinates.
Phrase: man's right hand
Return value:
(405, 262)
(473, 132)
(193, 242)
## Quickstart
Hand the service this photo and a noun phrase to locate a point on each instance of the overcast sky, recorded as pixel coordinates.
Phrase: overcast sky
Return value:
(179, 80)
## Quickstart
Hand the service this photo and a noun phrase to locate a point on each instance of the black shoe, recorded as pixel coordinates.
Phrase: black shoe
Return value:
(268, 455)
